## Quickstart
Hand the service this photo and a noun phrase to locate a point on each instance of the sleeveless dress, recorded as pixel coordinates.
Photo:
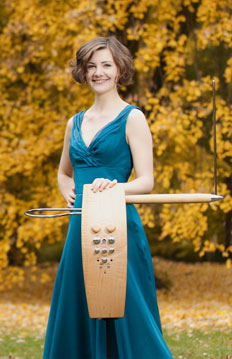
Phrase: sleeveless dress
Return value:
(71, 333)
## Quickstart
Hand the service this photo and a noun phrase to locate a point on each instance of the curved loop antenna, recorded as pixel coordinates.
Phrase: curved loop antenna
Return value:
(69, 212)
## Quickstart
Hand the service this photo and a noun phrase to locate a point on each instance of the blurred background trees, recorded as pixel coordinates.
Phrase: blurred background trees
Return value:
(179, 47)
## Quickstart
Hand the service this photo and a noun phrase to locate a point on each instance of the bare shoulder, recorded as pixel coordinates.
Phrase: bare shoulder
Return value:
(136, 115)
(69, 126)
(70, 123)
(137, 128)
(136, 121)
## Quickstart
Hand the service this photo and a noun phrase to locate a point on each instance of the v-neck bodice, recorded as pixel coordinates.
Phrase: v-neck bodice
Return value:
(108, 154)
(101, 129)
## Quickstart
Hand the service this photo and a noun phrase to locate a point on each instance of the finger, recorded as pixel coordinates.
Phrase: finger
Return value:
(104, 185)
(97, 187)
(96, 184)
(69, 205)
(70, 199)
(113, 183)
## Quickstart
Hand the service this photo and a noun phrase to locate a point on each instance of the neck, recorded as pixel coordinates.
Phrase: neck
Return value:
(105, 102)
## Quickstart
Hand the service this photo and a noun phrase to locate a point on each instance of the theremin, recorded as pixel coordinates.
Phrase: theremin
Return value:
(104, 242)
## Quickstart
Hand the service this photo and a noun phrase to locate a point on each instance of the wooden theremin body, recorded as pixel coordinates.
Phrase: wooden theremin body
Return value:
(104, 251)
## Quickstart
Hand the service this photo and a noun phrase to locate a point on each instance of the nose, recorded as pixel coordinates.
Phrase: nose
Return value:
(98, 71)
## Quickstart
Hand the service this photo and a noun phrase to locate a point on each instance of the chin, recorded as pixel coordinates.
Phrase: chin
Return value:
(102, 90)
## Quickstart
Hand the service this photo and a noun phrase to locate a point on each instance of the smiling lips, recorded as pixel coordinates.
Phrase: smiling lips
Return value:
(100, 81)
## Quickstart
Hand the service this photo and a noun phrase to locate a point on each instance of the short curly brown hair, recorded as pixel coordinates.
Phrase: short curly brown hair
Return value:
(120, 53)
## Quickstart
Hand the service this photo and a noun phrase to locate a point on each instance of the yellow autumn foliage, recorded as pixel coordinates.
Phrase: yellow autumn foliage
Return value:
(178, 46)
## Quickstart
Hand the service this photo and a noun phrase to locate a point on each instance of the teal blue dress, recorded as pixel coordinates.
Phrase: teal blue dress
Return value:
(71, 333)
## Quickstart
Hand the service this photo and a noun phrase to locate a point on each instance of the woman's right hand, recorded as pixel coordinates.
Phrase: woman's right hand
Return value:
(71, 198)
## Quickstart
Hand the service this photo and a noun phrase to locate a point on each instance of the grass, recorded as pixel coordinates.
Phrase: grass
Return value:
(198, 344)
(15, 347)
(188, 344)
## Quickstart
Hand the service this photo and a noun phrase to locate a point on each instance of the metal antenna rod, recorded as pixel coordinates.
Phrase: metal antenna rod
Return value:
(214, 140)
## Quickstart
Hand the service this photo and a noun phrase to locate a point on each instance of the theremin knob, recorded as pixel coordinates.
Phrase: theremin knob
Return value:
(96, 228)
(110, 228)
(111, 240)
(104, 260)
(96, 240)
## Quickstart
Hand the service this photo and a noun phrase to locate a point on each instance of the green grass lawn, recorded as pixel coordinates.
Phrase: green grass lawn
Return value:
(13, 346)
(198, 344)
(193, 344)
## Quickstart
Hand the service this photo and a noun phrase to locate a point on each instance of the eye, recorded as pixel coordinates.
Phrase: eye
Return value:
(107, 65)
(90, 66)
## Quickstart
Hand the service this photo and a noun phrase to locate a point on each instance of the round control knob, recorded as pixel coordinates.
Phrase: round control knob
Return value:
(111, 240)
(96, 240)
(111, 250)
(96, 228)
(97, 250)
(104, 260)
(110, 228)
(104, 250)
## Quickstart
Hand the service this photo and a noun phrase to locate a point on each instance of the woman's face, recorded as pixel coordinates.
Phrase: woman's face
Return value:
(102, 72)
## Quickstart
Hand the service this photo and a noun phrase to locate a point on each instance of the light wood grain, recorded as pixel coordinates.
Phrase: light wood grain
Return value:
(105, 284)
(172, 198)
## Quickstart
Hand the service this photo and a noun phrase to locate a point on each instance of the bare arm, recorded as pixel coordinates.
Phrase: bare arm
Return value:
(65, 171)
(140, 142)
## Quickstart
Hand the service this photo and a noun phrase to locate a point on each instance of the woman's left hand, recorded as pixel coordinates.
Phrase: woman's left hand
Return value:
(99, 184)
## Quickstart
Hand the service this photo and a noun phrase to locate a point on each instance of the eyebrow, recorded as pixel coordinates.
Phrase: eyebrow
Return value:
(90, 62)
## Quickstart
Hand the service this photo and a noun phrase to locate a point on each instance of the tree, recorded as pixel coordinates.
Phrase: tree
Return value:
(179, 47)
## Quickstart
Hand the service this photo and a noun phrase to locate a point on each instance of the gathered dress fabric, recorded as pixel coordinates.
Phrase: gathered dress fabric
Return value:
(71, 333)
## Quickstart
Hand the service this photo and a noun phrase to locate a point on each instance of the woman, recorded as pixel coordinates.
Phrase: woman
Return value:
(101, 146)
